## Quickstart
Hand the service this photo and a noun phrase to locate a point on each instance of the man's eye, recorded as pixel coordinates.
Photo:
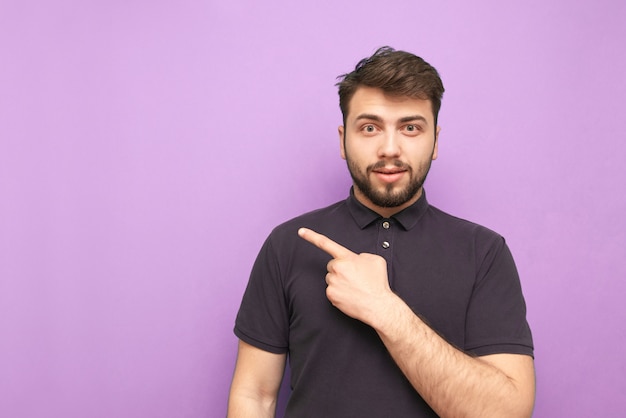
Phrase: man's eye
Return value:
(413, 129)
(369, 128)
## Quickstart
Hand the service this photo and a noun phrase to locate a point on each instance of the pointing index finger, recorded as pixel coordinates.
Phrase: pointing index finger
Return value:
(324, 243)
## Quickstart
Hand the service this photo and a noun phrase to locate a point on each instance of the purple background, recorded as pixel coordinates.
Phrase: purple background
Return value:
(148, 147)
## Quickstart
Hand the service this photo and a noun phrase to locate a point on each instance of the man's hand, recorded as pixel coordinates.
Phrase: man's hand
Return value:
(357, 283)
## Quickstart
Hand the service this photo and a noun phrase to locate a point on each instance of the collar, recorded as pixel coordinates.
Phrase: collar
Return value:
(407, 218)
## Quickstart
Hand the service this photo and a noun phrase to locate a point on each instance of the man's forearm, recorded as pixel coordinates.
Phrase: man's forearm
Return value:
(453, 383)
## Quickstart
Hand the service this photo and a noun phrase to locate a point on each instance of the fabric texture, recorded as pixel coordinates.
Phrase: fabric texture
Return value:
(459, 277)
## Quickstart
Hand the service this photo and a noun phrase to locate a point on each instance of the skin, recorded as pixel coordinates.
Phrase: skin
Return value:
(389, 143)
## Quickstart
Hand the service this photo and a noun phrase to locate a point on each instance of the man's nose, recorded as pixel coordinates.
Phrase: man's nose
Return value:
(390, 146)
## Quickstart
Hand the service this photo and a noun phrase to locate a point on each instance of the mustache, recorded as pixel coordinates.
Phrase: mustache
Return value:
(382, 164)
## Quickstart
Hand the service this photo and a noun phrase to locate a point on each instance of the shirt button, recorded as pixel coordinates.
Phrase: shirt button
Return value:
(386, 225)
(385, 245)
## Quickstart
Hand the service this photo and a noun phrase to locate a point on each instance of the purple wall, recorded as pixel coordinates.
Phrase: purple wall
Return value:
(148, 147)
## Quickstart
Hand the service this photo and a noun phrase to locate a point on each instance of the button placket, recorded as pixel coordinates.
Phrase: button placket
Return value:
(385, 238)
(385, 245)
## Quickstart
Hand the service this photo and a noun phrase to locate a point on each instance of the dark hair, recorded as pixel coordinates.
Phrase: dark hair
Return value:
(397, 73)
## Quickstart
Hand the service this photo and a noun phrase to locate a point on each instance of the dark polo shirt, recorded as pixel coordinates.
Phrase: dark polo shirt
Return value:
(458, 276)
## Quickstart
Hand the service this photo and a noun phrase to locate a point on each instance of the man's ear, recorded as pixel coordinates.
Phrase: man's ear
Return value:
(436, 148)
(342, 143)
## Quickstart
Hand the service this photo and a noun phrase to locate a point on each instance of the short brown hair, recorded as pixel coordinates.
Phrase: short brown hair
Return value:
(397, 73)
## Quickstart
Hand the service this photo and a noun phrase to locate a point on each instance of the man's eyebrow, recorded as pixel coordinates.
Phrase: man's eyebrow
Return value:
(413, 118)
(369, 116)
(376, 118)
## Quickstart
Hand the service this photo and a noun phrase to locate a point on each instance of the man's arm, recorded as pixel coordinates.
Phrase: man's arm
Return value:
(256, 382)
(453, 383)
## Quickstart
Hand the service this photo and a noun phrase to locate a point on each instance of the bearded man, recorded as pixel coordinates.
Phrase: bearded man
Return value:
(385, 305)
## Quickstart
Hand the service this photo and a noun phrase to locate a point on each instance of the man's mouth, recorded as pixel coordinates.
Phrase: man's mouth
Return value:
(389, 174)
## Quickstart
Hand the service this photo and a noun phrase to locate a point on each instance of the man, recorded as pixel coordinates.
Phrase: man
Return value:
(387, 306)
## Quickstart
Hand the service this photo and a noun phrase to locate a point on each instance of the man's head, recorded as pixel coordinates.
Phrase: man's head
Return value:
(397, 73)
(389, 135)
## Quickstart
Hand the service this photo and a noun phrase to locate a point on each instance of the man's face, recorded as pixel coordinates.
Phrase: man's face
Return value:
(389, 143)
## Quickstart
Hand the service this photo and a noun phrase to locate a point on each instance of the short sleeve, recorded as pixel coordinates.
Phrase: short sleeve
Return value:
(496, 318)
(262, 320)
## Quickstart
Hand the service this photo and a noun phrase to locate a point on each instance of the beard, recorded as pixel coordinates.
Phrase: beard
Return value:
(389, 197)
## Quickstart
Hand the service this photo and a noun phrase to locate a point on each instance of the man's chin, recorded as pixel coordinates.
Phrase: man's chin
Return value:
(394, 196)
(390, 199)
